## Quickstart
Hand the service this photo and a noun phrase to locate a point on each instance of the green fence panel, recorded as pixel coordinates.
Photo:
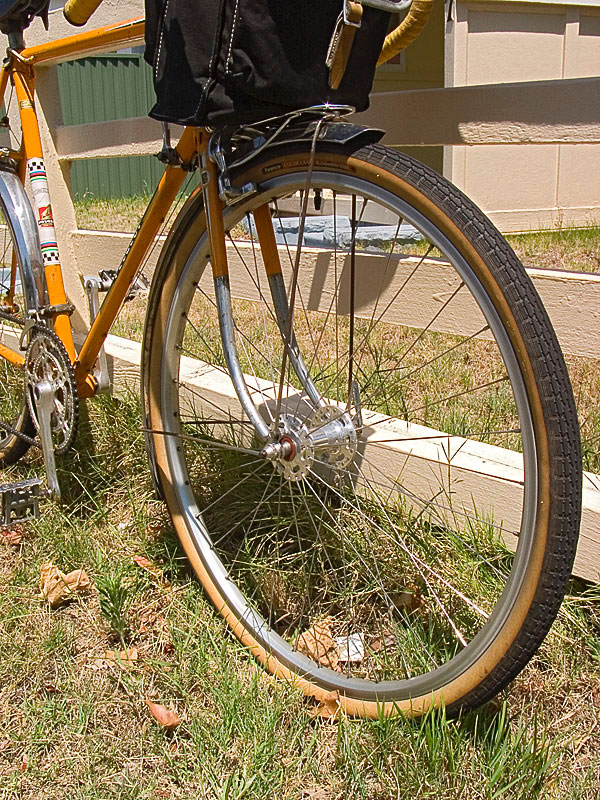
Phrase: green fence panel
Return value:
(104, 88)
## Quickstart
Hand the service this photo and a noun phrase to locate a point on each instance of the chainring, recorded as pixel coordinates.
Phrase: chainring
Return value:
(47, 359)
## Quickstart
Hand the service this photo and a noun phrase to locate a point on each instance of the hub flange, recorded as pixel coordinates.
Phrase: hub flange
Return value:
(329, 438)
(296, 456)
(333, 436)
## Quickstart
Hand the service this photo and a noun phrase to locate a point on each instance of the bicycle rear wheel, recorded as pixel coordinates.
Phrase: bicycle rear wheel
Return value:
(15, 418)
(420, 421)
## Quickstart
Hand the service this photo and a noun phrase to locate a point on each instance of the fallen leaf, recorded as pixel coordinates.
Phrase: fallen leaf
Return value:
(163, 715)
(143, 563)
(124, 657)
(13, 535)
(409, 601)
(317, 643)
(24, 762)
(57, 587)
(386, 642)
(329, 708)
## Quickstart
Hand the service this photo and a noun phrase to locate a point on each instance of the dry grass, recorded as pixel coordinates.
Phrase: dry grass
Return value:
(121, 214)
(74, 726)
(570, 248)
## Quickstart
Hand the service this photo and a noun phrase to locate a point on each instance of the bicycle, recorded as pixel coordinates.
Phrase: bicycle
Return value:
(326, 440)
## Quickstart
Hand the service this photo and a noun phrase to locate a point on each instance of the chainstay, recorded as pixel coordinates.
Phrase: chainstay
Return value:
(4, 315)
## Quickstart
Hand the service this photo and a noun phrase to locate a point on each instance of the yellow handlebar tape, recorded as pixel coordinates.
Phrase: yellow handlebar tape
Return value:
(77, 12)
(408, 30)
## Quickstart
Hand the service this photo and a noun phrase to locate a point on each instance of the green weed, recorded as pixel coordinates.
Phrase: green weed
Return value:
(114, 599)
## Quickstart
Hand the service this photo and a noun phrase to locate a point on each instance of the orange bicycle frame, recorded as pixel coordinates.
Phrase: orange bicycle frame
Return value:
(20, 69)
(193, 142)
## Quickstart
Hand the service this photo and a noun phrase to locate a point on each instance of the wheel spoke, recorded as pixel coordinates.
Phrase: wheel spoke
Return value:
(361, 504)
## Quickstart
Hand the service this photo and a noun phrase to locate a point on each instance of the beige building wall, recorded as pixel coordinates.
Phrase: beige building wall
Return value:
(421, 66)
(522, 186)
(525, 186)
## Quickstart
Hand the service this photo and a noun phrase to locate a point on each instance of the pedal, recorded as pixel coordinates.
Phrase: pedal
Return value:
(20, 500)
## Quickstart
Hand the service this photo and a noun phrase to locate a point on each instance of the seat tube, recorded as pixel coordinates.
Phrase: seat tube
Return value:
(23, 79)
(214, 213)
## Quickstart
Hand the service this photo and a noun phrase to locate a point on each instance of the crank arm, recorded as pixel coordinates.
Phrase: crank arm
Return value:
(43, 395)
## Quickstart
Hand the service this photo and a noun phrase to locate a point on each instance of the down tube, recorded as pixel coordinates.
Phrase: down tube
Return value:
(155, 214)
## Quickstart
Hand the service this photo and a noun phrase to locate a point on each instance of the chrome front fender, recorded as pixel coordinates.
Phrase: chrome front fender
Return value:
(21, 220)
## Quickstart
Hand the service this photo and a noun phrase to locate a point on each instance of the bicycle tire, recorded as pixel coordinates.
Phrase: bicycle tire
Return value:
(14, 412)
(425, 605)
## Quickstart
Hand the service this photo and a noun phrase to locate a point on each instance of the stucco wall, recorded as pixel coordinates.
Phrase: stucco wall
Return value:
(525, 186)
(421, 66)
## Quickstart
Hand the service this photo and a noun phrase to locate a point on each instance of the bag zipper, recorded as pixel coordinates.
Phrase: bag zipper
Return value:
(161, 31)
(228, 62)
(211, 81)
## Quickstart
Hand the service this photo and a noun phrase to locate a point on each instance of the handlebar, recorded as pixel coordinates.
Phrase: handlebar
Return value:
(408, 30)
(77, 12)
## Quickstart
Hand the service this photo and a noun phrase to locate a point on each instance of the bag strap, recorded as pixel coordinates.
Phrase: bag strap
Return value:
(342, 40)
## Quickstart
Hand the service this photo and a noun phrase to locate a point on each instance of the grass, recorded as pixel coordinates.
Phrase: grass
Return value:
(568, 248)
(121, 214)
(72, 725)
(564, 248)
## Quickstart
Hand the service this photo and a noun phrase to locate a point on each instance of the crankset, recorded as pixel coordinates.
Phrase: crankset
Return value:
(51, 397)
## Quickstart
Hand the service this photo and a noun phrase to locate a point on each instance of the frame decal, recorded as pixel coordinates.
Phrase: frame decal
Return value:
(43, 210)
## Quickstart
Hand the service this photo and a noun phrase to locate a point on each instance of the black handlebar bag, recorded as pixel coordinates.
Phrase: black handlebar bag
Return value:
(222, 62)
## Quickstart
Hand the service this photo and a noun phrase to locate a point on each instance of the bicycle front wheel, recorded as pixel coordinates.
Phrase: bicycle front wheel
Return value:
(351, 501)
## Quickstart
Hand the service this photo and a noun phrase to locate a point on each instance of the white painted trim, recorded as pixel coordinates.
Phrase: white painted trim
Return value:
(135, 136)
(491, 474)
(529, 112)
(539, 112)
(572, 299)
